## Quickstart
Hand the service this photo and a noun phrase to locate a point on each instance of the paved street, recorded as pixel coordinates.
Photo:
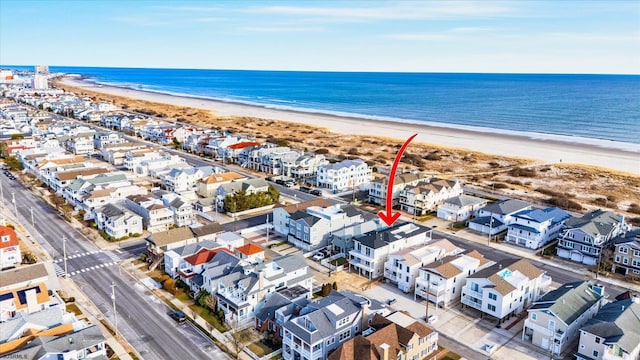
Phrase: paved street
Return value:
(142, 318)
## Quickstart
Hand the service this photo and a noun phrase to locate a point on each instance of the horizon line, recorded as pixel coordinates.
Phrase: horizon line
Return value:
(332, 71)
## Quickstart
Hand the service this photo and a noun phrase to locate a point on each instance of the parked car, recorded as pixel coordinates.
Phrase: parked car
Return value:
(305, 189)
(316, 192)
(432, 318)
(318, 256)
(178, 316)
(391, 301)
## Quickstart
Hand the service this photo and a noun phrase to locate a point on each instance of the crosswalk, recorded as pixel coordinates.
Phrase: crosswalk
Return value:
(59, 263)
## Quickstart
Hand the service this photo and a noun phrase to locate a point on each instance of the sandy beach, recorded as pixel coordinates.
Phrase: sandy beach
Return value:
(539, 151)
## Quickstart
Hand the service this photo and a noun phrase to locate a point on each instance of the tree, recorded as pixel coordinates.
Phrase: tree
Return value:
(57, 201)
(17, 136)
(4, 151)
(13, 163)
(334, 286)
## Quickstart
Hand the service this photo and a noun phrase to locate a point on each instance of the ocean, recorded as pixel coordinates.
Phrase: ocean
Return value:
(593, 109)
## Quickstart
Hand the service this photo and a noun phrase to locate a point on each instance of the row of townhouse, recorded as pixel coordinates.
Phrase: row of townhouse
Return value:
(344, 175)
(424, 197)
(34, 319)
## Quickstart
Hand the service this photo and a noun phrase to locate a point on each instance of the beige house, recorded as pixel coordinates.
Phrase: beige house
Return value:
(207, 187)
(426, 195)
(554, 320)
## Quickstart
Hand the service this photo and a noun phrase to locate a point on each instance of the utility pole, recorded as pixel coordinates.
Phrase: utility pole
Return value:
(115, 314)
(15, 206)
(64, 255)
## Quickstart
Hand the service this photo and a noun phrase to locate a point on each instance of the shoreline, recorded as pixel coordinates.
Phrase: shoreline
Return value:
(548, 150)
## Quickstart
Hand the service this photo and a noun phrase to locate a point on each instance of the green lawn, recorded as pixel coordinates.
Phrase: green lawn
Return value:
(339, 261)
(182, 296)
(210, 318)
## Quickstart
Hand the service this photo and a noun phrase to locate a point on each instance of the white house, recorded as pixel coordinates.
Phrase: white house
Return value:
(378, 187)
(425, 196)
(441, 281)
(117, 221)
(312, 229)
(494, 218)
(347, 174)
(402, 268)
(10, 255)
(371, 251)
(281, 214)
(156, 216)
(460, 208)
(534, 228)
(505, 288)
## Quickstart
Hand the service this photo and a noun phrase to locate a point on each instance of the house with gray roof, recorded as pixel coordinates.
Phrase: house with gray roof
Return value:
(323, 325)
(613, 333)
(173, 257)
(86, 343)
(553, 322)
(280, 308)
(117, 221)
(494, 218)
(535, 228)
(243, 291)
(626, 259)
(460, 208)
(372, 250)
(311, 229)
(583, 238)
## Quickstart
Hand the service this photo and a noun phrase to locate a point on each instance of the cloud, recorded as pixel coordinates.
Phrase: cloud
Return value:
(282, 29)
(419, 37)
(397, 11)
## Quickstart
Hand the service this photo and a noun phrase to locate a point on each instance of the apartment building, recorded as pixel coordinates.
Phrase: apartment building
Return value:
(425, 196)
(441, 281)
(378, 187)
(505, 288)
(534, 228)
(371, 251)
(554, 320)
(311, 230)
(345, 175)
(583, 238)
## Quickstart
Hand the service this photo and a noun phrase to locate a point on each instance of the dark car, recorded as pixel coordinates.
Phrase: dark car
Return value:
(316, 192)
(178, 316)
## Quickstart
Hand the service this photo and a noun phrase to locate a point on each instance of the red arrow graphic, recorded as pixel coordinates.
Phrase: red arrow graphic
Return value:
(388, 216)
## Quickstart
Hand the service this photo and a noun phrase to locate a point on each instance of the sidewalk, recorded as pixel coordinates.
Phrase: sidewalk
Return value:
(466, 234)
(223, 340)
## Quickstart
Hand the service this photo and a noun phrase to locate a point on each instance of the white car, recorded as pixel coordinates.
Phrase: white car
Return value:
(432, 318)
(318, 256)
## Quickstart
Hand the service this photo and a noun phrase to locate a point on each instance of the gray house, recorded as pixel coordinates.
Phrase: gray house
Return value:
(554, 320)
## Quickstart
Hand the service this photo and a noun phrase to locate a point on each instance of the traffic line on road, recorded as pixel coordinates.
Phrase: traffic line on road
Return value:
(78, 255)
(60, 271)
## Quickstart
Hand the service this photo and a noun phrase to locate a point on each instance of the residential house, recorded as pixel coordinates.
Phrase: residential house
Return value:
(341, 240)
(494, 218)
(102, 138)
(77, 190)
(207, 187)
(155, 215)
(182, 210)
(214, 232)
(554, 320)
(173, 257)
(238, 153)
(10, 255)
(312, 229)
(305, 167)
(378, 188)
(505, 288)
(191, 268)
(626, 259)
(87, 343)
(117, 221)
(27, 300)
(385, 339)
(220, 266)
(185, 179)
(281, 214)
(163, 241)
(402, 268)
(269, 158)
(115, 154)
(425, 196)
(100, 197)
(345, 175)
(61, 179)
(79, 145)
(613, 333)
(583, 238)
(372, 250)
(250, 253)
(441, 281)
(322, 326)
(250, 186)
(282, 306)
(243, 291)
(27, 275)
(535, 228)
(460, 208)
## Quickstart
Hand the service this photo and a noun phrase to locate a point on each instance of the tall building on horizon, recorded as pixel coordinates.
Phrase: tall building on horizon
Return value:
(42, 69)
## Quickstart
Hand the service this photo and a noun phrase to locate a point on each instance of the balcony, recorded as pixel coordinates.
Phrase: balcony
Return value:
(360, 254)
(473, 302)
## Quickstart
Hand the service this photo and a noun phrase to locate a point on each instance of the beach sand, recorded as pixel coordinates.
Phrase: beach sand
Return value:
(536, 150)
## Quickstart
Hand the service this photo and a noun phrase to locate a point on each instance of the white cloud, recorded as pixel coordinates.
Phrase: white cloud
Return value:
(419, 37)
(281, 29)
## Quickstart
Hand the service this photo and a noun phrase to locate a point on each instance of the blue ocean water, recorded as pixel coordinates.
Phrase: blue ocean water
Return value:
(605, 107)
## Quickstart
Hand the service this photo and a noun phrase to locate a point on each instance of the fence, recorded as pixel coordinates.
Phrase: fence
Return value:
(256, 357)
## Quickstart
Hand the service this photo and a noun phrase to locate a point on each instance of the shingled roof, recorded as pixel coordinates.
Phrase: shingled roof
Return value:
(569, 301)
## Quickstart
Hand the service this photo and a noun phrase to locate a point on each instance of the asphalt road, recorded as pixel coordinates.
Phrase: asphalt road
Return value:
(142, 318)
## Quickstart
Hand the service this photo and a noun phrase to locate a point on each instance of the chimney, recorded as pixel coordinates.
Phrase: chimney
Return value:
(364, 321)
(385, 351)
(261, 280)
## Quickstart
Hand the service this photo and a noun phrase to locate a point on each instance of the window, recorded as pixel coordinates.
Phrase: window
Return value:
(493, 296)
(552, 325)
(534, 317)
(597, 340)
(595, 353)
(617, 258)
(345, 335)
(625, 261)
(331, 341)
(624, 250)
(491, 307)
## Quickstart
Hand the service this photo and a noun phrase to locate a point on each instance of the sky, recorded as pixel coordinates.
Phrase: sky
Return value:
(522, 36)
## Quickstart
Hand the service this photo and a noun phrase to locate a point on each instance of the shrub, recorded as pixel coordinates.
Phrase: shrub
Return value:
(499, 186)
(634, 208)
(494, 164)
(169, 285)
(564, 202)
(322, 151)
(522, 172)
